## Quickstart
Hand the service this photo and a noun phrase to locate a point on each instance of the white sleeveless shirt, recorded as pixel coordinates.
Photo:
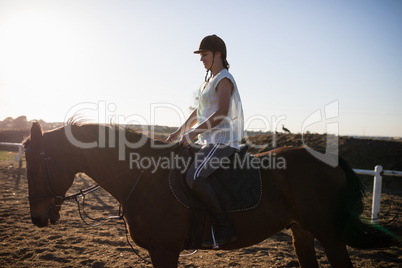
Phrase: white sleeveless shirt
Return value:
(230, 130)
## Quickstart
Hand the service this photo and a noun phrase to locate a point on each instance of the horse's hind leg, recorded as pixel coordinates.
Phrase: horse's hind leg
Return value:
(303, 243)
(335, 249)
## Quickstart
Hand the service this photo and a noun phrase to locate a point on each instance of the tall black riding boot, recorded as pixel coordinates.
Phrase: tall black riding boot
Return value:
(225, 231)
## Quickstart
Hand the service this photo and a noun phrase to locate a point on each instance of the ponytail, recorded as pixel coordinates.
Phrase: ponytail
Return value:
(226, 64)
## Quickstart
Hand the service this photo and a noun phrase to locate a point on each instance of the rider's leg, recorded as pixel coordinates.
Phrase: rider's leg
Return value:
(204, 164)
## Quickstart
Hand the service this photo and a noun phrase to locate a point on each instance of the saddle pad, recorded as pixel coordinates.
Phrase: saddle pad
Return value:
(238, 188)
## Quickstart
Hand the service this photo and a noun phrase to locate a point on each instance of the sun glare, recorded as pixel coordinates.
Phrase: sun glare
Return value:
(38, 54)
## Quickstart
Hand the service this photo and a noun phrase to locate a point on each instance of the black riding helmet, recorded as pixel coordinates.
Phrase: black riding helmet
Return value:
(212, 43)
(215, 44)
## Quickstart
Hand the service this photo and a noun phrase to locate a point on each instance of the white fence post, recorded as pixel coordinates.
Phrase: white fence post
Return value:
(377, 185)
(376, 194)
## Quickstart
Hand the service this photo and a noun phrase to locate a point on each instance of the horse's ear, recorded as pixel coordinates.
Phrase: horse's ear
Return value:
(36, 133)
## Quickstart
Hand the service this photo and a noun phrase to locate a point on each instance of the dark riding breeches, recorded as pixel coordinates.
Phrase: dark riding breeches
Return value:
(207, 160)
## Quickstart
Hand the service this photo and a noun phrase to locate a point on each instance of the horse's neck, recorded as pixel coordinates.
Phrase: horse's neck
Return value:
(117, 177)
(111, 174)
(103, 165)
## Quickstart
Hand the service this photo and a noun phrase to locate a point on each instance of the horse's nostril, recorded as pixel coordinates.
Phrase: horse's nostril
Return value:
(39, 222)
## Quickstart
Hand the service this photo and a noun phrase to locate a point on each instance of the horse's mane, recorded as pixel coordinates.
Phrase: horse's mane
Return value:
(76, 121)
(131, 134)
(87, 131)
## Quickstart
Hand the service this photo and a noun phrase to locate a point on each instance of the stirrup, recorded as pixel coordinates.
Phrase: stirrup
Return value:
(214, 245)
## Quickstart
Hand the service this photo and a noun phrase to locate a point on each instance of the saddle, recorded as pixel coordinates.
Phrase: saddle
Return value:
(237, 184)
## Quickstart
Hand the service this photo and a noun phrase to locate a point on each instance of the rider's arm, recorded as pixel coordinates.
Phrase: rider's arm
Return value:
(224, 89)
(190, 122)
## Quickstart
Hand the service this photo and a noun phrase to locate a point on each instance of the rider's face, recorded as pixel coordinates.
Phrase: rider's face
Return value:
(207, 59)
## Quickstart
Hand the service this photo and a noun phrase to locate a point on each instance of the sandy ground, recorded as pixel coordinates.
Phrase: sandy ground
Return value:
(71, 243)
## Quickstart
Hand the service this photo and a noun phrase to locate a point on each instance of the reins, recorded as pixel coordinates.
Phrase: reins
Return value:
(91, 189)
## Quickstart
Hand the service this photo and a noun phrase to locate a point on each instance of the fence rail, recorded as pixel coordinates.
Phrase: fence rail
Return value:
(378, 172)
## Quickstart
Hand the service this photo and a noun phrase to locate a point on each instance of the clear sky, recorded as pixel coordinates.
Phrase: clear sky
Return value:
(292, 60)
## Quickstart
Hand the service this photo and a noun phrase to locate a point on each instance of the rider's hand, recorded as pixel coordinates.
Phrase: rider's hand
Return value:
(187, 138)
(172, 137)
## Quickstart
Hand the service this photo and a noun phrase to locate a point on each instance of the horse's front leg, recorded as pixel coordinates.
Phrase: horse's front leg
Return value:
(166, 258)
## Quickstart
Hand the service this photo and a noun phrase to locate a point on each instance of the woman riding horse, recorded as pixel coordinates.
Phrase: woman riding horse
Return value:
(220, 129)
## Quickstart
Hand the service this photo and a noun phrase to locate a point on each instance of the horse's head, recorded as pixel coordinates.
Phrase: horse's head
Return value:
(48, 180)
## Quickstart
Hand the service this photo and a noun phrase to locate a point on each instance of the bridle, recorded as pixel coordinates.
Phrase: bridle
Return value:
(57, 199)
(46, 160)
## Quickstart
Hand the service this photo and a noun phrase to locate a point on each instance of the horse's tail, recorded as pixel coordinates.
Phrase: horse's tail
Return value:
(353, 230)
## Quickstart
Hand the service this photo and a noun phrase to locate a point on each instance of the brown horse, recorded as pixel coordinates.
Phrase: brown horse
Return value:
(314, 199)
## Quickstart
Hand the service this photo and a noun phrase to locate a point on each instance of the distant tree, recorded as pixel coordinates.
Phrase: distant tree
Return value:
(20, 122)
(6, 123)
